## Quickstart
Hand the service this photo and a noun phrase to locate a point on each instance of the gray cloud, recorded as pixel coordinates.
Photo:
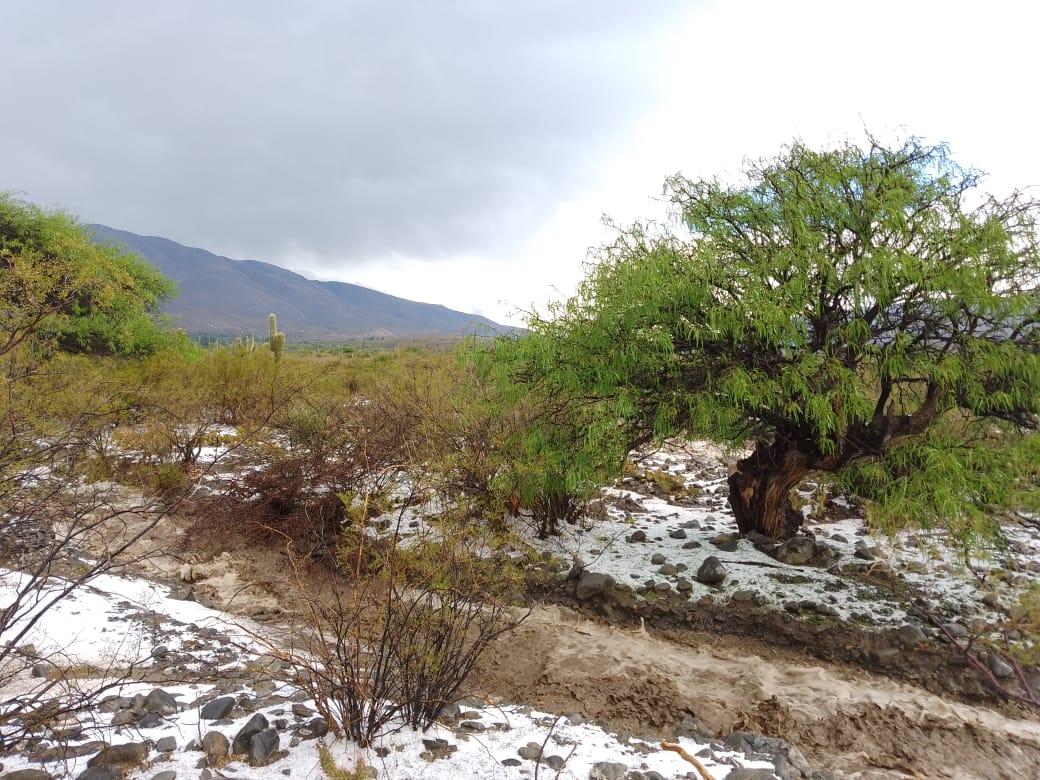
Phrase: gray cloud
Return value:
(341, 132)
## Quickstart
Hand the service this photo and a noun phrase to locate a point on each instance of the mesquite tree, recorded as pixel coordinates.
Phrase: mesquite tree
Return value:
(861, 311)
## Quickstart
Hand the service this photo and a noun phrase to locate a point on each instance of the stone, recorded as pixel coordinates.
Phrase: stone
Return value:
(677, 533)
(591, 584)
(750, 774)
(166, 744)
(96, 773)
(555, 763)
(127, 754)
(216, 746)
(218, 708)
(956, 630)
(657, 559)
(159, 702)
(27, 774)
(683, 585)
(607, 770)
(725, 542)
(909, 635)
(530, 752)
(263, 746)
(167, 775)
(662, 587)
(636, 536)
(711, 571)
(691, 545)
(317, 728)
(668, 570)
(303, 711)
(999, 666)
(796, 551)
(439, 748)
(264, 687)
(252, 727)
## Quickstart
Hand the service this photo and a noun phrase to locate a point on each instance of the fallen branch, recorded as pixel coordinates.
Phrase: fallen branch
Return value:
(696, 764)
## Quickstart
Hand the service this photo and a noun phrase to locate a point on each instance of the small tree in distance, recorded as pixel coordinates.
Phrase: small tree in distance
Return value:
(863, 312)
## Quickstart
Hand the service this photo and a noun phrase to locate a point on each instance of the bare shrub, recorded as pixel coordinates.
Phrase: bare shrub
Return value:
(391, 643)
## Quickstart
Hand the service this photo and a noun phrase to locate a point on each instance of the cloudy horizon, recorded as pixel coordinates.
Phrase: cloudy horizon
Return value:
(464, 153)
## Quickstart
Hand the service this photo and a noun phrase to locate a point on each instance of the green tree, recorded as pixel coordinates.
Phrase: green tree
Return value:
(860, 311)
(58, 285)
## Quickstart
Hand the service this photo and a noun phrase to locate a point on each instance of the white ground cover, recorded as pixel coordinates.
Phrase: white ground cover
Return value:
(928, 566)
(120, 619)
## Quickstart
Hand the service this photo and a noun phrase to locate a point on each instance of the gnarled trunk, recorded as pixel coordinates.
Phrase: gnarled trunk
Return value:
(760, 490)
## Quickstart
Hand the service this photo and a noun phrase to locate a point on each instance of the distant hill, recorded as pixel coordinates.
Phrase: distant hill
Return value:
(219, 296)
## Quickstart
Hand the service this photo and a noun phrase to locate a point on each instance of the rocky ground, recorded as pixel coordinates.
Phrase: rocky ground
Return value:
(656, 622)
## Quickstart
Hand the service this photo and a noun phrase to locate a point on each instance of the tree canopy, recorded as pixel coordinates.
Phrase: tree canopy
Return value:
(57, 285)
(864, 311)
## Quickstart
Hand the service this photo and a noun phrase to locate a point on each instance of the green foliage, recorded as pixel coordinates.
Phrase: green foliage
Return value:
(60, 288)
(841, 307)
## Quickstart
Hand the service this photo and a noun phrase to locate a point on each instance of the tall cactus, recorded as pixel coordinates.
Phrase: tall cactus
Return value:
(277, 339)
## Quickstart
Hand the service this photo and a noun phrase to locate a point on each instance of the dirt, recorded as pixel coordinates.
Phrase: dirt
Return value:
(845, 713)
(841, 717)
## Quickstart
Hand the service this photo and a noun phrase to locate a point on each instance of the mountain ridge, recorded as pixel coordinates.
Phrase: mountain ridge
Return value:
(221, 296)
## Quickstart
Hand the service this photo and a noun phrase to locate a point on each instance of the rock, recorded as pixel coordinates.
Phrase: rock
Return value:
(725, 542)
(956, 630)
(303, 711)
(683, 585)
(218, 708)
(216, 746)
(554, 762)
(691, 545)
(159, 702)
(264, 687)
(150, 721)
(27, 774)
(865, 553)
(796, 551)
(909, 635)
(167, 775)
(263, 746)
(657, 559)
(711, 571)
(783, 754)
(127, 754)
(668, 570)
(530, 752)
(607, 770)
(123, 718)
(662, 587)
(439, 748)
(839, 538)
(678, 533)
(512, 762)
(591, 584)
(317, 728)
(999, 666)
(750, 774)
(166, 744)
(256, 724)
(96, 773)
(636, 536)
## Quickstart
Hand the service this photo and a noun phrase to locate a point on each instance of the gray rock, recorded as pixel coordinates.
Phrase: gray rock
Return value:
(317, 728)
(166, 744)
(264, 687)
(725, 542)
(303, 711)
(159, 702)
(591, 584)
(750, 774)
(956, 630)
(999, 666)
(256, 724)
(909, 635)
(167, 775)
(263, 746)
(677, 533)
(530, 752)
(555, 763)
(683, 585)
(127, 754)
(216, 746)
(657, 559)
(27, 774)
(796, 551)
(711, 571)
(636, 536)
(96, 773)
(218, 708)
(439, 748)
(662, 587)
(607, 770)
(668, 570)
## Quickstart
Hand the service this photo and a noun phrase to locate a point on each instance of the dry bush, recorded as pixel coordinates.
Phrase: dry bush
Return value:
(391, 643)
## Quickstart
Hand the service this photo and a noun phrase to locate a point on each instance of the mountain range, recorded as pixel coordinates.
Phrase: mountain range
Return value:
(220, 296)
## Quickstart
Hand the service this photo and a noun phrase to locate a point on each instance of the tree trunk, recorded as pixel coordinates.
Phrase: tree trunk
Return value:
(760, 490)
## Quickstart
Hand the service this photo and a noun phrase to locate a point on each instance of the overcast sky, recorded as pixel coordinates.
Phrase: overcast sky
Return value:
(464, 152)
